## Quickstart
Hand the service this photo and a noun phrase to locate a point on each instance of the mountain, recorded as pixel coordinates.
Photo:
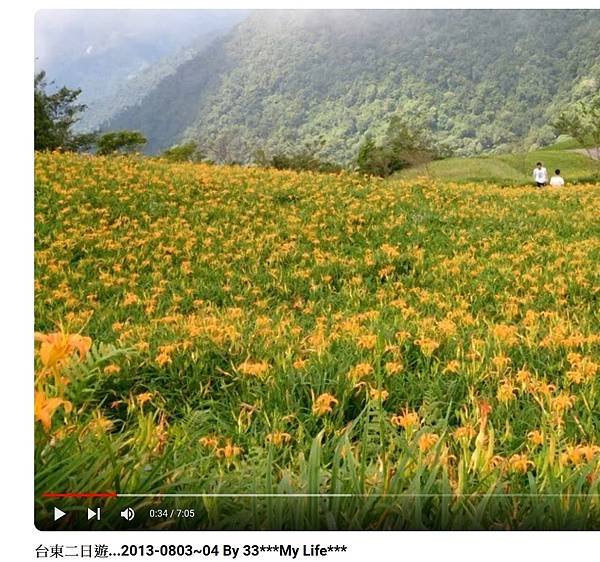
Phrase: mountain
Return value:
(482, 80)
(132, 89)
(116, 56)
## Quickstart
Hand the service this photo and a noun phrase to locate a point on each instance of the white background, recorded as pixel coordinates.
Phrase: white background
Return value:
(16, 338)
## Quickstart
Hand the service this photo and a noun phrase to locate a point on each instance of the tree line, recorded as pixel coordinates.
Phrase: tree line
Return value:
(406, 143)
(55, 115)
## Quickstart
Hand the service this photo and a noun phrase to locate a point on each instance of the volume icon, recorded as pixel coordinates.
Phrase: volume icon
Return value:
(128, 514)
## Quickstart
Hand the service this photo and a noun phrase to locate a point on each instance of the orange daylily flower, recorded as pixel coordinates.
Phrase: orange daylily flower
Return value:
(58, 347)
(228, 451)
(45, 407)
(144, 397)
(520, 463)
(209, 441)
(279, 438)
(426, 441)
(323, 404)
(406, 420)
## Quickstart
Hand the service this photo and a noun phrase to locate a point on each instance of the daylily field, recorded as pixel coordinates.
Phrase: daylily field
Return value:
(399, 353)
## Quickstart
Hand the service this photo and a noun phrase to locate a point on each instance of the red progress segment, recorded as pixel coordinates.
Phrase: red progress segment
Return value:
(80, 495)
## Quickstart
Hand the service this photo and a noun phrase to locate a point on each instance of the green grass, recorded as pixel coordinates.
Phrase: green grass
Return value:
(565, 142)
(511, 169)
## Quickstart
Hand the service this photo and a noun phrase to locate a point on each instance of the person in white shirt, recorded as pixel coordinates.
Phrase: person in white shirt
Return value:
(556, 180)
(540, 175)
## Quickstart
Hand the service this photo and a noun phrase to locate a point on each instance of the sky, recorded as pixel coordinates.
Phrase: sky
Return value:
(68, 34)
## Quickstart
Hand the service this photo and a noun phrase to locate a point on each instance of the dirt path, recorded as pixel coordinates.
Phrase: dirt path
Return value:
(593, 152)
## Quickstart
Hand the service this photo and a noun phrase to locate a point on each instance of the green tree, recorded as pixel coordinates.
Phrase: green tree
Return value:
(120, 142)
(409, 145)
(187, 152)
(372, 159)
(582, 122)
(571, 123)
(365, 153)
(404, 145)
(260, 158)
(54, 117)
(304, 159)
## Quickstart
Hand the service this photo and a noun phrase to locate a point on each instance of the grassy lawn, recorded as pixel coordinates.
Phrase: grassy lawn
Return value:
(511, 169)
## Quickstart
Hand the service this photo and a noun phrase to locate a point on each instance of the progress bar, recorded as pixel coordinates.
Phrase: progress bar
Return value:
(308, 495)
(80, 495)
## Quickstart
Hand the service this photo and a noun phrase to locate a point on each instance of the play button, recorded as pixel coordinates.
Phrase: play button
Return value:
(58, 513)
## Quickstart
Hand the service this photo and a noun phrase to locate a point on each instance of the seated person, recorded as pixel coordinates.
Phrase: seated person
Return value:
(556, 180)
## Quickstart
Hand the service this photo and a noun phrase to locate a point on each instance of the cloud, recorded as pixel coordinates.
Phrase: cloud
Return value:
(60, 34)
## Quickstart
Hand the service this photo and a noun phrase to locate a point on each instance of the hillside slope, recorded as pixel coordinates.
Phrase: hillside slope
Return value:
(480, 79)
(510, 169)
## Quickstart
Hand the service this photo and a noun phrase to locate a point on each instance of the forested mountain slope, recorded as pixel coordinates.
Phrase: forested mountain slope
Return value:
(481, 80)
